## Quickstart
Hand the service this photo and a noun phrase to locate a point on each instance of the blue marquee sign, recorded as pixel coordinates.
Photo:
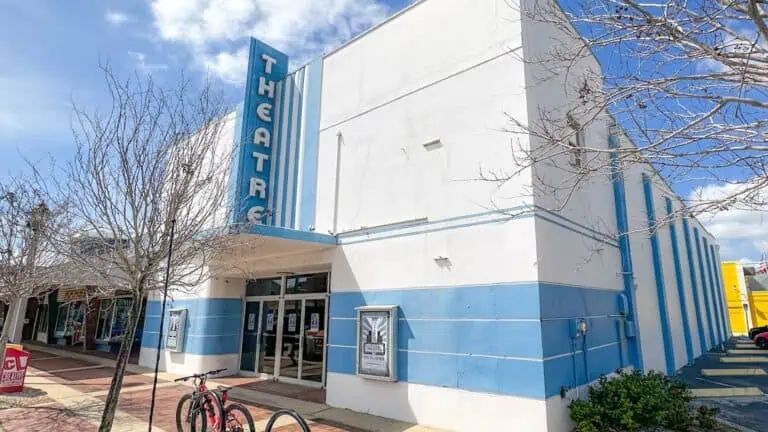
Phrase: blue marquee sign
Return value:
(266, 68)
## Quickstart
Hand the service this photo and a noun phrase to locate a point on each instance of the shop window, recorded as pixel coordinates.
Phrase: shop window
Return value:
(61, 319)
(113, 319)
(42, 319)
(120, 322)
(309, 284)
(262, 287)
(104, 324)
(70, 320)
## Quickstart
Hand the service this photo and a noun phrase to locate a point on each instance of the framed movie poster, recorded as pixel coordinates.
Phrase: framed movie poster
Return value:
(177, 322)
(377, 342)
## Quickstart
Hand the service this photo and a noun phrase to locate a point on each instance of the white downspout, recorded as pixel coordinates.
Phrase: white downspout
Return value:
(335, 229)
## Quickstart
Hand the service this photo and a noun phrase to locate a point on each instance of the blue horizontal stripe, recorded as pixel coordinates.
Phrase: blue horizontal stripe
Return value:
(214, 345)
(472, 373)
(570, 372)
(213, 325)
(198, 306)
(502, 301)
(557, 335)
(493, 338)
(558, 301)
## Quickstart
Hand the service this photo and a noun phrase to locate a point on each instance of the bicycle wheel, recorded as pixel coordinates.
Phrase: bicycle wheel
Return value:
(190, 416)
(238, 419)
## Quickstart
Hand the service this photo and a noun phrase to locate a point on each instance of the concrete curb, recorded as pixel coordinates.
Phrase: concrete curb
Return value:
(734, 425)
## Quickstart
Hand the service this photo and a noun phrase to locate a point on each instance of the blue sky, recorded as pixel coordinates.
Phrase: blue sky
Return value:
(51, 50)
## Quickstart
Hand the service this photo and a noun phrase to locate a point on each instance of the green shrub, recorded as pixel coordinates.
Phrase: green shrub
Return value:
(635, 402)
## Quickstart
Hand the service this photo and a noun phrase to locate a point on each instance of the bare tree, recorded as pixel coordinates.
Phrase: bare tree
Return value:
(686, 81)
(28, 266)
(156, 159)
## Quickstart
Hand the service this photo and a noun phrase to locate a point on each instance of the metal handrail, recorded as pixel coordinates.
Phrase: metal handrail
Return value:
(290, 413)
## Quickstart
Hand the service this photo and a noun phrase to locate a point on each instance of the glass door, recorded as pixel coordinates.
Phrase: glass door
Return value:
(284, 328)
(268, 341)
(313, 341)
(250, 336)
(290, 346)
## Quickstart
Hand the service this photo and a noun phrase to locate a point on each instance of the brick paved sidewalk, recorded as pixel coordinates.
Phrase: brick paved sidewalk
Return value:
(66, 394)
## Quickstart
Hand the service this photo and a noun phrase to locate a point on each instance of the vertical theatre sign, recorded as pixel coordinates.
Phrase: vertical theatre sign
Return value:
(267, 67)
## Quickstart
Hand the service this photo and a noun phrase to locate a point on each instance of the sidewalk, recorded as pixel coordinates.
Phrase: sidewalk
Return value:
(735, 381)
(66, 391)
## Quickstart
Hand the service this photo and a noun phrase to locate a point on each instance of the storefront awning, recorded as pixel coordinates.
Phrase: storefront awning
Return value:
(265, 250)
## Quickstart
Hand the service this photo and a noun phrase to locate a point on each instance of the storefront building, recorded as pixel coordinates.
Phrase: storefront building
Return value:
(77, 318)
(380, 271)
(746, 293)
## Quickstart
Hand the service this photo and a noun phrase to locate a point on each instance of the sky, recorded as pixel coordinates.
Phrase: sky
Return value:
(51, 51)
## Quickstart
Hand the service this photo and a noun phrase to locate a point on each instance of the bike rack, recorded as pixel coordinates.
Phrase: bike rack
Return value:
(289, 413)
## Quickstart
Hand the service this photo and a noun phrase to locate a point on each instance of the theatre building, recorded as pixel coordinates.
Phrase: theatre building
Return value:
(384, 273)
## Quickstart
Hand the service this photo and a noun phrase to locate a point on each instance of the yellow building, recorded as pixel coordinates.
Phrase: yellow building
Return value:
(746, 291)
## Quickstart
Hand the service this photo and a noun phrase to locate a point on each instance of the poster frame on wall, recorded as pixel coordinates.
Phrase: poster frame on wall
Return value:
(176, 345)
(370, 364)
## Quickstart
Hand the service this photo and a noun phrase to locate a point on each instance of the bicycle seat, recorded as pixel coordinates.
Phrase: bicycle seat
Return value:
(223, 389)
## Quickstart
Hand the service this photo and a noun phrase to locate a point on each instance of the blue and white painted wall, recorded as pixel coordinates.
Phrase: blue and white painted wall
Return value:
(372, 150)
(212, 333)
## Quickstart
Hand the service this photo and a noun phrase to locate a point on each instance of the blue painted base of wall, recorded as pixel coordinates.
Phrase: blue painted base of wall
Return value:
(510, 339)
(213, 325)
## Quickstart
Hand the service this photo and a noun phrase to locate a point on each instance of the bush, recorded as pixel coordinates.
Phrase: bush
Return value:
(635, 402)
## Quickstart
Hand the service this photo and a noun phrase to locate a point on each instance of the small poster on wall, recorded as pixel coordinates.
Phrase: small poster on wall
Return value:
(270, 321)
(292, 323)
(176, 324)
(314, 322)
(251, 322)
(377, 342)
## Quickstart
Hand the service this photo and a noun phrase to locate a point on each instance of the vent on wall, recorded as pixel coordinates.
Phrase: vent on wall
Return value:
(433, 144)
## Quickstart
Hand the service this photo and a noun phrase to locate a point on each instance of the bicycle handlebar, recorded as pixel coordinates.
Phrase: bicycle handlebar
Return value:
(202, 375)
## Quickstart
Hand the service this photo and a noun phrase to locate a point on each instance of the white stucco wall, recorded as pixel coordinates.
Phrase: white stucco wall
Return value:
(416, 79)
(440, 71)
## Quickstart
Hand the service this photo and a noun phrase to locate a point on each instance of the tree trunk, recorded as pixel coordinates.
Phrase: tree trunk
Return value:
(110, 406)
(5, 334)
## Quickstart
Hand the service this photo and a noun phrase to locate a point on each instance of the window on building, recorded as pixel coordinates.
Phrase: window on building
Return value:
(262, 287)
(104, 323)
(120, 320)
(577, 144)
(113, 318)
(70, 320)
(61, 319)
(316, 283)
(42, 319)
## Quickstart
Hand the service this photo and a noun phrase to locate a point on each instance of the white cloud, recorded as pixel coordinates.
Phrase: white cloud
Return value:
(116, 18)
(143, 66)
(741, 229)
(216, 31)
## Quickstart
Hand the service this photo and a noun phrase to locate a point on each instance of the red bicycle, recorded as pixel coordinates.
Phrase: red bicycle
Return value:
(203, 408)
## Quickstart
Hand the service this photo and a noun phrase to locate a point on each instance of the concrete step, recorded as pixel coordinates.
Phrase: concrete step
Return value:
(749, 346)
(721, 392)
(734, 372)
(744, 359)
(745, 351)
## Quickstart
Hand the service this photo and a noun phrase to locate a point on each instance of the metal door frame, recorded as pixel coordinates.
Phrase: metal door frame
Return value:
(281, 299)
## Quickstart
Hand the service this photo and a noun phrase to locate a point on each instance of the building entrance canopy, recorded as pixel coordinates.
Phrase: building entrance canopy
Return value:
(260, 249)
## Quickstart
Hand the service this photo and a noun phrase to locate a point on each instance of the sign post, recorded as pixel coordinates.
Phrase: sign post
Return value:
(377, 342)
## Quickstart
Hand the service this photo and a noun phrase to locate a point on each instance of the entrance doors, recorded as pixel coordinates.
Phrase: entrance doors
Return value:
(284, 335)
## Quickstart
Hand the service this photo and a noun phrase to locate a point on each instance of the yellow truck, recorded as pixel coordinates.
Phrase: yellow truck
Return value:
(746, 291)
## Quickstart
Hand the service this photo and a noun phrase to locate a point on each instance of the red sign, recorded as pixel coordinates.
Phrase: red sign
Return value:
(14, 371)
